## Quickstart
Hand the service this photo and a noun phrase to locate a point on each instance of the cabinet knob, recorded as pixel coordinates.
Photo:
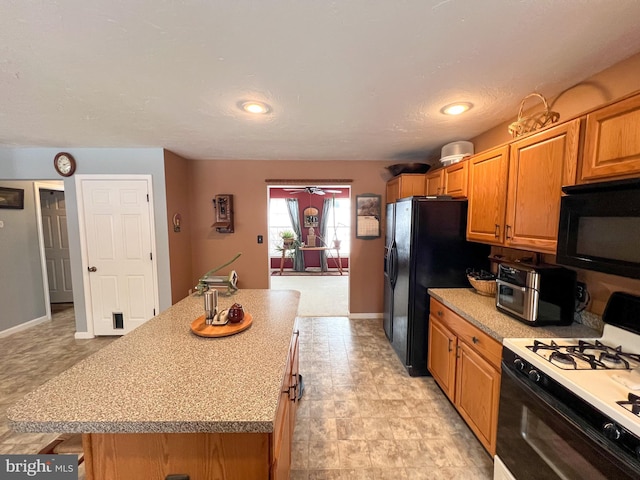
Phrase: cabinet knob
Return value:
(475, 339)
(440, 312)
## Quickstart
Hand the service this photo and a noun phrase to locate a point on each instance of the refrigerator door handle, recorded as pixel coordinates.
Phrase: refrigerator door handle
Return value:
(393, 273)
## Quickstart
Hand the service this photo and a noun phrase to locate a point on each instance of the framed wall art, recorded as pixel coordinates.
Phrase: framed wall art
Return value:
(368, 208)
(11, 198)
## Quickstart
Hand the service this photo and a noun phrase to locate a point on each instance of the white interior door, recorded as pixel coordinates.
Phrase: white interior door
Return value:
(117, 224)
(56, 245)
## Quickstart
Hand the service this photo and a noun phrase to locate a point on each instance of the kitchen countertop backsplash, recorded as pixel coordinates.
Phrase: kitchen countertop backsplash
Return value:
(481, 311)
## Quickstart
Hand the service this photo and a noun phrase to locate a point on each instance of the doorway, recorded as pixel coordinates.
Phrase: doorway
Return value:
(51, 219)
(317, 262)
(56, 245)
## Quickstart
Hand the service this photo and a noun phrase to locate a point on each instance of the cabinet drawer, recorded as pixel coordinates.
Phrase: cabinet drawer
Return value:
(482, 343)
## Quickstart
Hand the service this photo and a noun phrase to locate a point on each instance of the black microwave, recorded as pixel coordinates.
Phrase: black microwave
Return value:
(600, 227)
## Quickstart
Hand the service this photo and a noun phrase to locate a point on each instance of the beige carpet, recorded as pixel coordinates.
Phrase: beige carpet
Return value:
(320, 296)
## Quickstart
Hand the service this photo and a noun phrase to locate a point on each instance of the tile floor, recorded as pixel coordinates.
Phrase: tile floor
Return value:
(362, 417)
(31, 357)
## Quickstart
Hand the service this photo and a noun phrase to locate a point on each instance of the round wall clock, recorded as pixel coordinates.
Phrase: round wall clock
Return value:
(64, 164)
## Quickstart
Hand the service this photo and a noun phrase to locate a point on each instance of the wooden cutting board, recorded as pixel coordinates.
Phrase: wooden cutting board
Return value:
(200, 328)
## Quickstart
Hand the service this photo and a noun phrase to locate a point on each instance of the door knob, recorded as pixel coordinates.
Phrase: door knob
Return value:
(92, 269)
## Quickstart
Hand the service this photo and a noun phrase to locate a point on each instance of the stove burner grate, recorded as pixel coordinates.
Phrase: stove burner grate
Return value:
(632, 403)
(615, 354)
(584, 356)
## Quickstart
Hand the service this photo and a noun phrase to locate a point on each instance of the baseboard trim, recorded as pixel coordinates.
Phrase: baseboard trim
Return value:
(366, 315)
(24, 326)
(83, 335)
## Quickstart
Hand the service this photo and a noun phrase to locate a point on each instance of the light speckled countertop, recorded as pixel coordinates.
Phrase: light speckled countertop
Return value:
(481, 311)
(163, 378)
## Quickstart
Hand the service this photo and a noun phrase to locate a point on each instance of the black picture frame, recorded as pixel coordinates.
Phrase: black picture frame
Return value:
(11, 198)
(368, 214)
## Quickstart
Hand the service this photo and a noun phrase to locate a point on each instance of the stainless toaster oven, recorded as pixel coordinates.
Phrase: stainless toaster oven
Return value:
(536, 294)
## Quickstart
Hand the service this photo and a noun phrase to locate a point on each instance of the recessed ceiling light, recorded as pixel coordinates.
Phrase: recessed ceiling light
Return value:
(456, 108)
(255, 107)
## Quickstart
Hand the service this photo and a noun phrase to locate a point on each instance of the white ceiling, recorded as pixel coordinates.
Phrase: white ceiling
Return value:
(360, 79)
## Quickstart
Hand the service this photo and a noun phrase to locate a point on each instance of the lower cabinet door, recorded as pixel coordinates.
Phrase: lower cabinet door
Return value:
(442, 359)
(282, 440)
(477, 395)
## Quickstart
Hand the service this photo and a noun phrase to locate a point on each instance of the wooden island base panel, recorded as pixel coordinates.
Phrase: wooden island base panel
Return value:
(162, 401)
(232, 456)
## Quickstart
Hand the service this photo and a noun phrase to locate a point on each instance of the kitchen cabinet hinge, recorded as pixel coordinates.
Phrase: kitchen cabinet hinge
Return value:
(150, 255)
(147, 198)
(154, 312)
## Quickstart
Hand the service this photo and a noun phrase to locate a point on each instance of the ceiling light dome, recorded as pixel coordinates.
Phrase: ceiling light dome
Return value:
(456, 108)
(255, 107)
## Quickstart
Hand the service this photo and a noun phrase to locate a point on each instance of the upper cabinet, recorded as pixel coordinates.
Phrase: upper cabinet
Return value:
(456, 179)
(405, 185)
(514, 191)
(451, 180)
(434, 183)
(539, 166)
(487, 195)
(612, 142)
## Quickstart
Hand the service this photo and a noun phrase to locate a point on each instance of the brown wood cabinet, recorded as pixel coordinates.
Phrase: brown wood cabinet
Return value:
(488, 174)
(465, 362)
(612, 142)
(442, 357)
(518, 204)
(539, 166)
(233, 456)
(434, 182)
(405, 185)
(451, 180)
(456, 178)
(286, 416)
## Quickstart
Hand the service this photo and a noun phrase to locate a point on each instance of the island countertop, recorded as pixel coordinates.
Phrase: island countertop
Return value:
(161, 378)
(481, 311)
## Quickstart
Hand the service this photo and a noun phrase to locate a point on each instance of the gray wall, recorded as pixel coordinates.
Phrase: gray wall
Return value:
(37, 164)
(21, 287)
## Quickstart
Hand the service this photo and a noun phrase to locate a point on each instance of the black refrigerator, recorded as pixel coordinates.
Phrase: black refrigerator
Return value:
(425, 247)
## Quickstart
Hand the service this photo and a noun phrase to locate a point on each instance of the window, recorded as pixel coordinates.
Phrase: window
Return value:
(343, 225)
(278, 222)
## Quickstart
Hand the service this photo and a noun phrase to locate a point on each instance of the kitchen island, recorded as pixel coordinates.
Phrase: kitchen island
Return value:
(161, 400)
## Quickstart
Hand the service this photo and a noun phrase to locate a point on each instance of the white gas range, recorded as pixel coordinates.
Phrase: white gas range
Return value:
(570, 408)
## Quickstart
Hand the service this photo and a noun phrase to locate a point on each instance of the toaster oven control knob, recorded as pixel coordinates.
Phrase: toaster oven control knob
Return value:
(534, 375)
(611, 430)
(519, 364)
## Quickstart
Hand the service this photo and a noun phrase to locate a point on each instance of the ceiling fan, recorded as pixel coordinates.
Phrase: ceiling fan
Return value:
(311, 190)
